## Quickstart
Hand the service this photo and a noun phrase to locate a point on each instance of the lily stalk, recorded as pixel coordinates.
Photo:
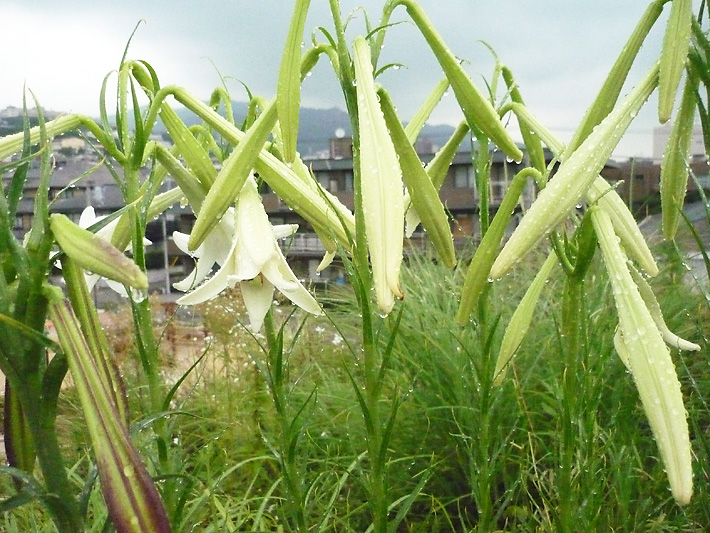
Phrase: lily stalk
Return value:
(649, 361)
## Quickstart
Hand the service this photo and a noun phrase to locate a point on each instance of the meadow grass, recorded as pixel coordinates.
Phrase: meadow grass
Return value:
(374, 415)
(463, 454)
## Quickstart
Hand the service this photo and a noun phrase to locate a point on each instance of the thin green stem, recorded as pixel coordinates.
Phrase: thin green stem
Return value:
(573, 344)
(62, 504)
(289, 428)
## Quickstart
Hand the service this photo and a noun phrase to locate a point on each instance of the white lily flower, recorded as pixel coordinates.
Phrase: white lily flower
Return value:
(87, 219)
(254, 260)
(212, 251)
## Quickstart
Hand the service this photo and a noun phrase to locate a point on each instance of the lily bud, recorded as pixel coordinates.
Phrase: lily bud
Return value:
(574, 177)
(479, 112)
(674, 167)
(674, 55)
(521, 319)
(133, 502)
(424, 196)
(649, 298)
(95, 254)
(288, 96)
(649, 360)
(381, 185)
(232, 177)
(624, 223)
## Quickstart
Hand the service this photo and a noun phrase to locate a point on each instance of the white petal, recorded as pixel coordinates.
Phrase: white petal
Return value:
(188, 282)
(253, 228)
(244, 267)
(117, 287)
(209, 289)
(215, 249)
(326, 261)
(91, 280)
(87, 217)
(180, 240)
(258, 294)
(107, 231)
(214, 285)
(281, 231)
(280, 274)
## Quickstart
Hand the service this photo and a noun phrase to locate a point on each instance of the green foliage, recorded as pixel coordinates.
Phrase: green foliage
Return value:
(382, 415)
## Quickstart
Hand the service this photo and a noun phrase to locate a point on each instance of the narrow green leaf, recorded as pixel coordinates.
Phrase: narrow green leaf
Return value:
(425, 197)
(17, 185)
(674, 167)
(476, 108)
(674, 55)
(288, 91)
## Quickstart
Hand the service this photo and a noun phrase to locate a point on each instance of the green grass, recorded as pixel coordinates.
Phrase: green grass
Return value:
(463, 455)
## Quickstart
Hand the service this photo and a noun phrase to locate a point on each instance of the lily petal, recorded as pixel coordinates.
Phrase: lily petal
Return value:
(208, 253)
(282, 277)
(258, 294)
(213, 286)
(253, 227)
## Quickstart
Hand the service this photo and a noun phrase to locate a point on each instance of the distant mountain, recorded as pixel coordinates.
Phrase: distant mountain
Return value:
(318, 126)
(11, 119)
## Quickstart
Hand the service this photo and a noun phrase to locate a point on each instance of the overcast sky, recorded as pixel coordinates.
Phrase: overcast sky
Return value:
(558, 50)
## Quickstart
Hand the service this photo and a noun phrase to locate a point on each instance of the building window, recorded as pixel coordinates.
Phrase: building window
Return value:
(324, 179)
(463, 176)
(497, 190)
